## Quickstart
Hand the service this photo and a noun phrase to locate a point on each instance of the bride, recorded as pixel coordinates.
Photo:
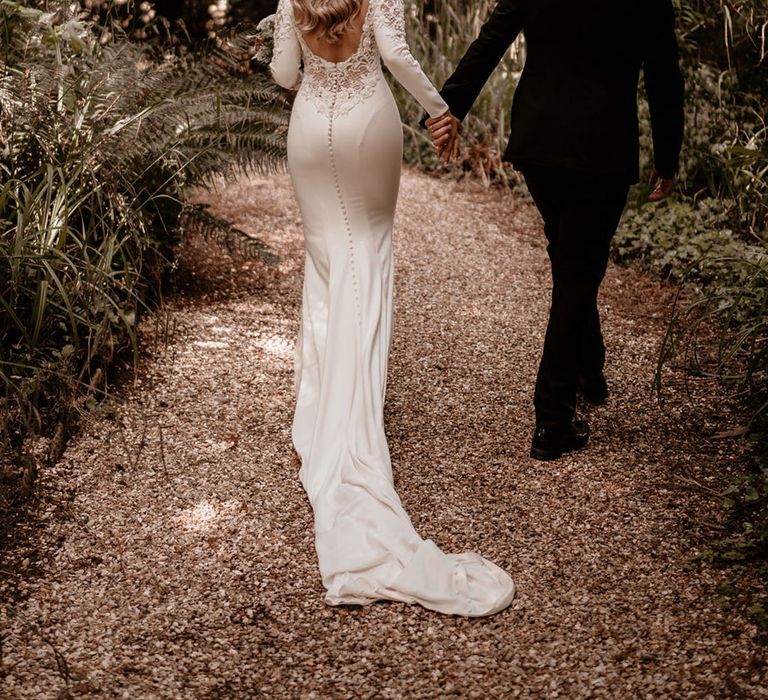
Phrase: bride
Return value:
(345, 148)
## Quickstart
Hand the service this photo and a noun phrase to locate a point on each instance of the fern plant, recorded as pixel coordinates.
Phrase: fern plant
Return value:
(99, 144)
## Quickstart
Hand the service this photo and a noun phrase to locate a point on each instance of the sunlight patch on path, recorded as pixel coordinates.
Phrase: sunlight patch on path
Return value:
(203, 516)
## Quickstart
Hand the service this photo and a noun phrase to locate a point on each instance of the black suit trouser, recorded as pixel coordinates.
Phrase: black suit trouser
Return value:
(581, 213)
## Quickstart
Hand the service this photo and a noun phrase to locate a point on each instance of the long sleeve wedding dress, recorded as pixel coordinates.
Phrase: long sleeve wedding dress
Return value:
(345, 148)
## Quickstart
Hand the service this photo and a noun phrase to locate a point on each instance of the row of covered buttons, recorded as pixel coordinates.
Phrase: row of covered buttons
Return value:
(341, 196)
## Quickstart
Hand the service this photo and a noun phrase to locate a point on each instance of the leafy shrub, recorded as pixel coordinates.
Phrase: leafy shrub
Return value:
(724, 53)
(686, 241)
(746, 502)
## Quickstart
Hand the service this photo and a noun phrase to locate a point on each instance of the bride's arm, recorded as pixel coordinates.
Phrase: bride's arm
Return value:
(286, 57)
(389, 28)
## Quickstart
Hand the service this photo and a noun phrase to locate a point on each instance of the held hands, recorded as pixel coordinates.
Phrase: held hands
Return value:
(662, 187)
(445, 131)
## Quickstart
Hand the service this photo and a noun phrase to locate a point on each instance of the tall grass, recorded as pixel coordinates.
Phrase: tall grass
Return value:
(725, 57)
(98, 146)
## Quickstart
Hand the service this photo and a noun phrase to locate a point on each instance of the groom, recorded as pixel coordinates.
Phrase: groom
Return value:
(575, 139)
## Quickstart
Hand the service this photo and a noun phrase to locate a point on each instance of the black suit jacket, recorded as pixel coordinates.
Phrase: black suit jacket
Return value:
(576, 103)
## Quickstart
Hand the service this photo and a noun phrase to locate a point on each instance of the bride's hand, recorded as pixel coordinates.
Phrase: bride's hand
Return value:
(445, 131)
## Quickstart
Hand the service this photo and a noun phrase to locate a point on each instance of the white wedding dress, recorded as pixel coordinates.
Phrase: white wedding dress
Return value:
(345, 147)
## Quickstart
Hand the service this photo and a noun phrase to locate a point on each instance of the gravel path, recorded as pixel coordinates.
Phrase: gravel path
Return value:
(172, 553)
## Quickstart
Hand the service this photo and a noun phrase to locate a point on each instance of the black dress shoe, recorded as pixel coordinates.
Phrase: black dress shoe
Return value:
(553, 443)
(593, 388)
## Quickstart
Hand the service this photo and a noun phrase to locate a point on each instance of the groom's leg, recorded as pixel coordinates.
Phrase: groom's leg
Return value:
(548, 189)
(593, 345)
(545, 187)
(590, 208)
(608, 217)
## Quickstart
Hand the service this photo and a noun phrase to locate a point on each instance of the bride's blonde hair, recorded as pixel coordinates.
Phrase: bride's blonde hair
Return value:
(332, 17)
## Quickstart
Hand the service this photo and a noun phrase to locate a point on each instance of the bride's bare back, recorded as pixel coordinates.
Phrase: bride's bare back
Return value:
(346, 46)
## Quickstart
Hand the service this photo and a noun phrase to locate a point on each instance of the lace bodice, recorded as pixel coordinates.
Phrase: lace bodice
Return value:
(352, 80)
(339, 87)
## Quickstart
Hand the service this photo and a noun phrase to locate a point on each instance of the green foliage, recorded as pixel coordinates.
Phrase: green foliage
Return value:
(687, 241)
(98, 145)
(727, 278)
(746, 502)
(726, 150)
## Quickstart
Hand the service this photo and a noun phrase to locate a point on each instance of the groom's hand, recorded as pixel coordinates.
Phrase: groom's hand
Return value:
(661, 187)
(445, 131)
